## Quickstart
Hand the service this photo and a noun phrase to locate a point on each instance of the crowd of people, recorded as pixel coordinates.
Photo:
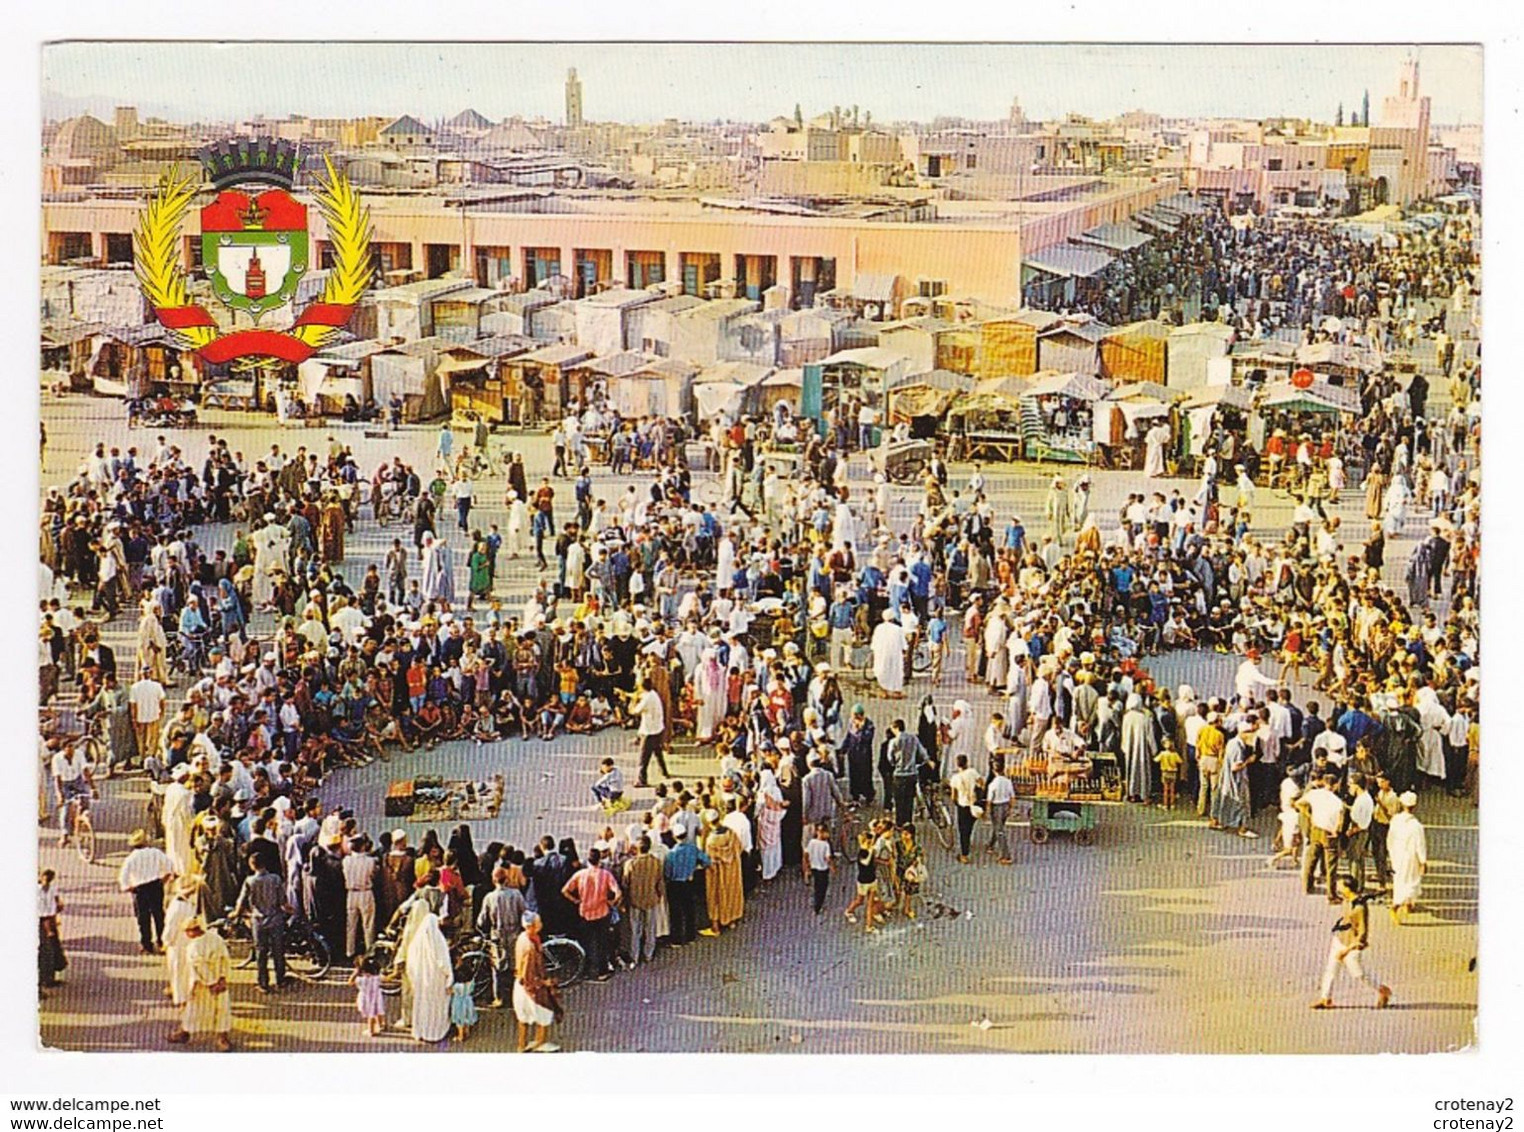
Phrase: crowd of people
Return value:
(736, 624)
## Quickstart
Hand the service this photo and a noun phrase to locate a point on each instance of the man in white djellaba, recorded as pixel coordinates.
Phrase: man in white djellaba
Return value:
(208, 1006)
(272, 542)
(889, 656)
(1408, 852)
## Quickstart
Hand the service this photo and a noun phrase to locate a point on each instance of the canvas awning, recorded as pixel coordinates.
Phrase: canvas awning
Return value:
(1069, 260)
(993, 403)
(1319, 397)
(1118, 237)
(921, 401)
(715, 398)
(873, 288)
(454, 363)
(1162, 221)
(1080, 386)
(1232, 396)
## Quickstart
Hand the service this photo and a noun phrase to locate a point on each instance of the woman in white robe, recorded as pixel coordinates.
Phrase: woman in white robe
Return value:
(1394, 510)
(1408, 853)
(1138, 748)
(517, 516)
(770, 806)
(709, 690)
(725, 564)
(996, 633)
(1153, 456)
(430, 973)
(438, 571)
(1435, 721)
(889, 656)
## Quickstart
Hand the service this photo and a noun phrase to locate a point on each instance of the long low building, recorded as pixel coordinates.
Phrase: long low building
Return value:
(972, 248)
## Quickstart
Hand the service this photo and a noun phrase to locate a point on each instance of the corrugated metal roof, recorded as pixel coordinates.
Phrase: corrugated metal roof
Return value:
(721, 308)
(740, 373)
(71, 333)
(469, 295)
(1164, 221)
(619, 297)
(421, 290)
(668, 367)
(351, 351)
(1089, 331)
(146, 334)
(1069, 259)
(620, 364)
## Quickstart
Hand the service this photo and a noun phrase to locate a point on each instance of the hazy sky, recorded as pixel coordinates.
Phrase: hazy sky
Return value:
(748, 82)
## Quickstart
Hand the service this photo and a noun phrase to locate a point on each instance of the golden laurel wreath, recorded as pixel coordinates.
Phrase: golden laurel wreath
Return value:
(157, 257)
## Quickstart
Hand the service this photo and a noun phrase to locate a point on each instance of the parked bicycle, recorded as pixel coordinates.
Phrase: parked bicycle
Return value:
(307, 955)
(932, 805)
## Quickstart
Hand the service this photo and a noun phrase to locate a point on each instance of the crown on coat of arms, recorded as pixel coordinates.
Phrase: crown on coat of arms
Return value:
(270, 161)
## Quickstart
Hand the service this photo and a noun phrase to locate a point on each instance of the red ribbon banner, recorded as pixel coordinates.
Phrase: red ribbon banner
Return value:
(255, 343)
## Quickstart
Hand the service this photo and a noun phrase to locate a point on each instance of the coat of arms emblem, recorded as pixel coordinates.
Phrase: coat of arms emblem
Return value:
(255, 250)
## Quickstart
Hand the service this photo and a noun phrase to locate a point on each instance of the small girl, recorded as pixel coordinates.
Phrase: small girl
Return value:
(368, 1001)
(1169, 761)
(462, 1006)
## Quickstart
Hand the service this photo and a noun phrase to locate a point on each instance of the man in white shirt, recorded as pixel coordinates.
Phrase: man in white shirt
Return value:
(72, 779)
(651, 729)
(964, 784)
(1326, 814)
(143, 874)
(1249, 681)
(1362, 810)
(999, 796)
(349, 621)
(146, 701)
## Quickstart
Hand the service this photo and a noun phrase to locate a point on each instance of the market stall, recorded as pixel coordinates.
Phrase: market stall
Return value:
(1057, 415)
(1123, 417)
(922, 400)
(985, 426)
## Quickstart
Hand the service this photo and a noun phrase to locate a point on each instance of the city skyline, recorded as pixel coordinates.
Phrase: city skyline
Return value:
(896, 82)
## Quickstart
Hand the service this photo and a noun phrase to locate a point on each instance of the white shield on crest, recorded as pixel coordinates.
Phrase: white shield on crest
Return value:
(233, 265)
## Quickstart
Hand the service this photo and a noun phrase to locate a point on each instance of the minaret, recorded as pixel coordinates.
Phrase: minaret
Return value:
(1365, 110)
(573, 100)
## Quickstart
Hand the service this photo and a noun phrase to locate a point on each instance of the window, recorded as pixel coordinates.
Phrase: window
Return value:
(931, 288)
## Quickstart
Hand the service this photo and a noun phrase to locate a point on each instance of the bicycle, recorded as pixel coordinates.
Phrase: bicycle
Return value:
(307, 955)
(565, 960)
(933, 807)
(78, 826)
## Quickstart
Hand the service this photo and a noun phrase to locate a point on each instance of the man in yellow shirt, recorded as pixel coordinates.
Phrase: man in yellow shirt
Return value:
(1210, 743)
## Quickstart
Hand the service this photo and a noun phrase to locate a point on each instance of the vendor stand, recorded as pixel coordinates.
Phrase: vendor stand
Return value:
(1057, 417)
(922, 400)
(985, 426)
(1123, 417)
